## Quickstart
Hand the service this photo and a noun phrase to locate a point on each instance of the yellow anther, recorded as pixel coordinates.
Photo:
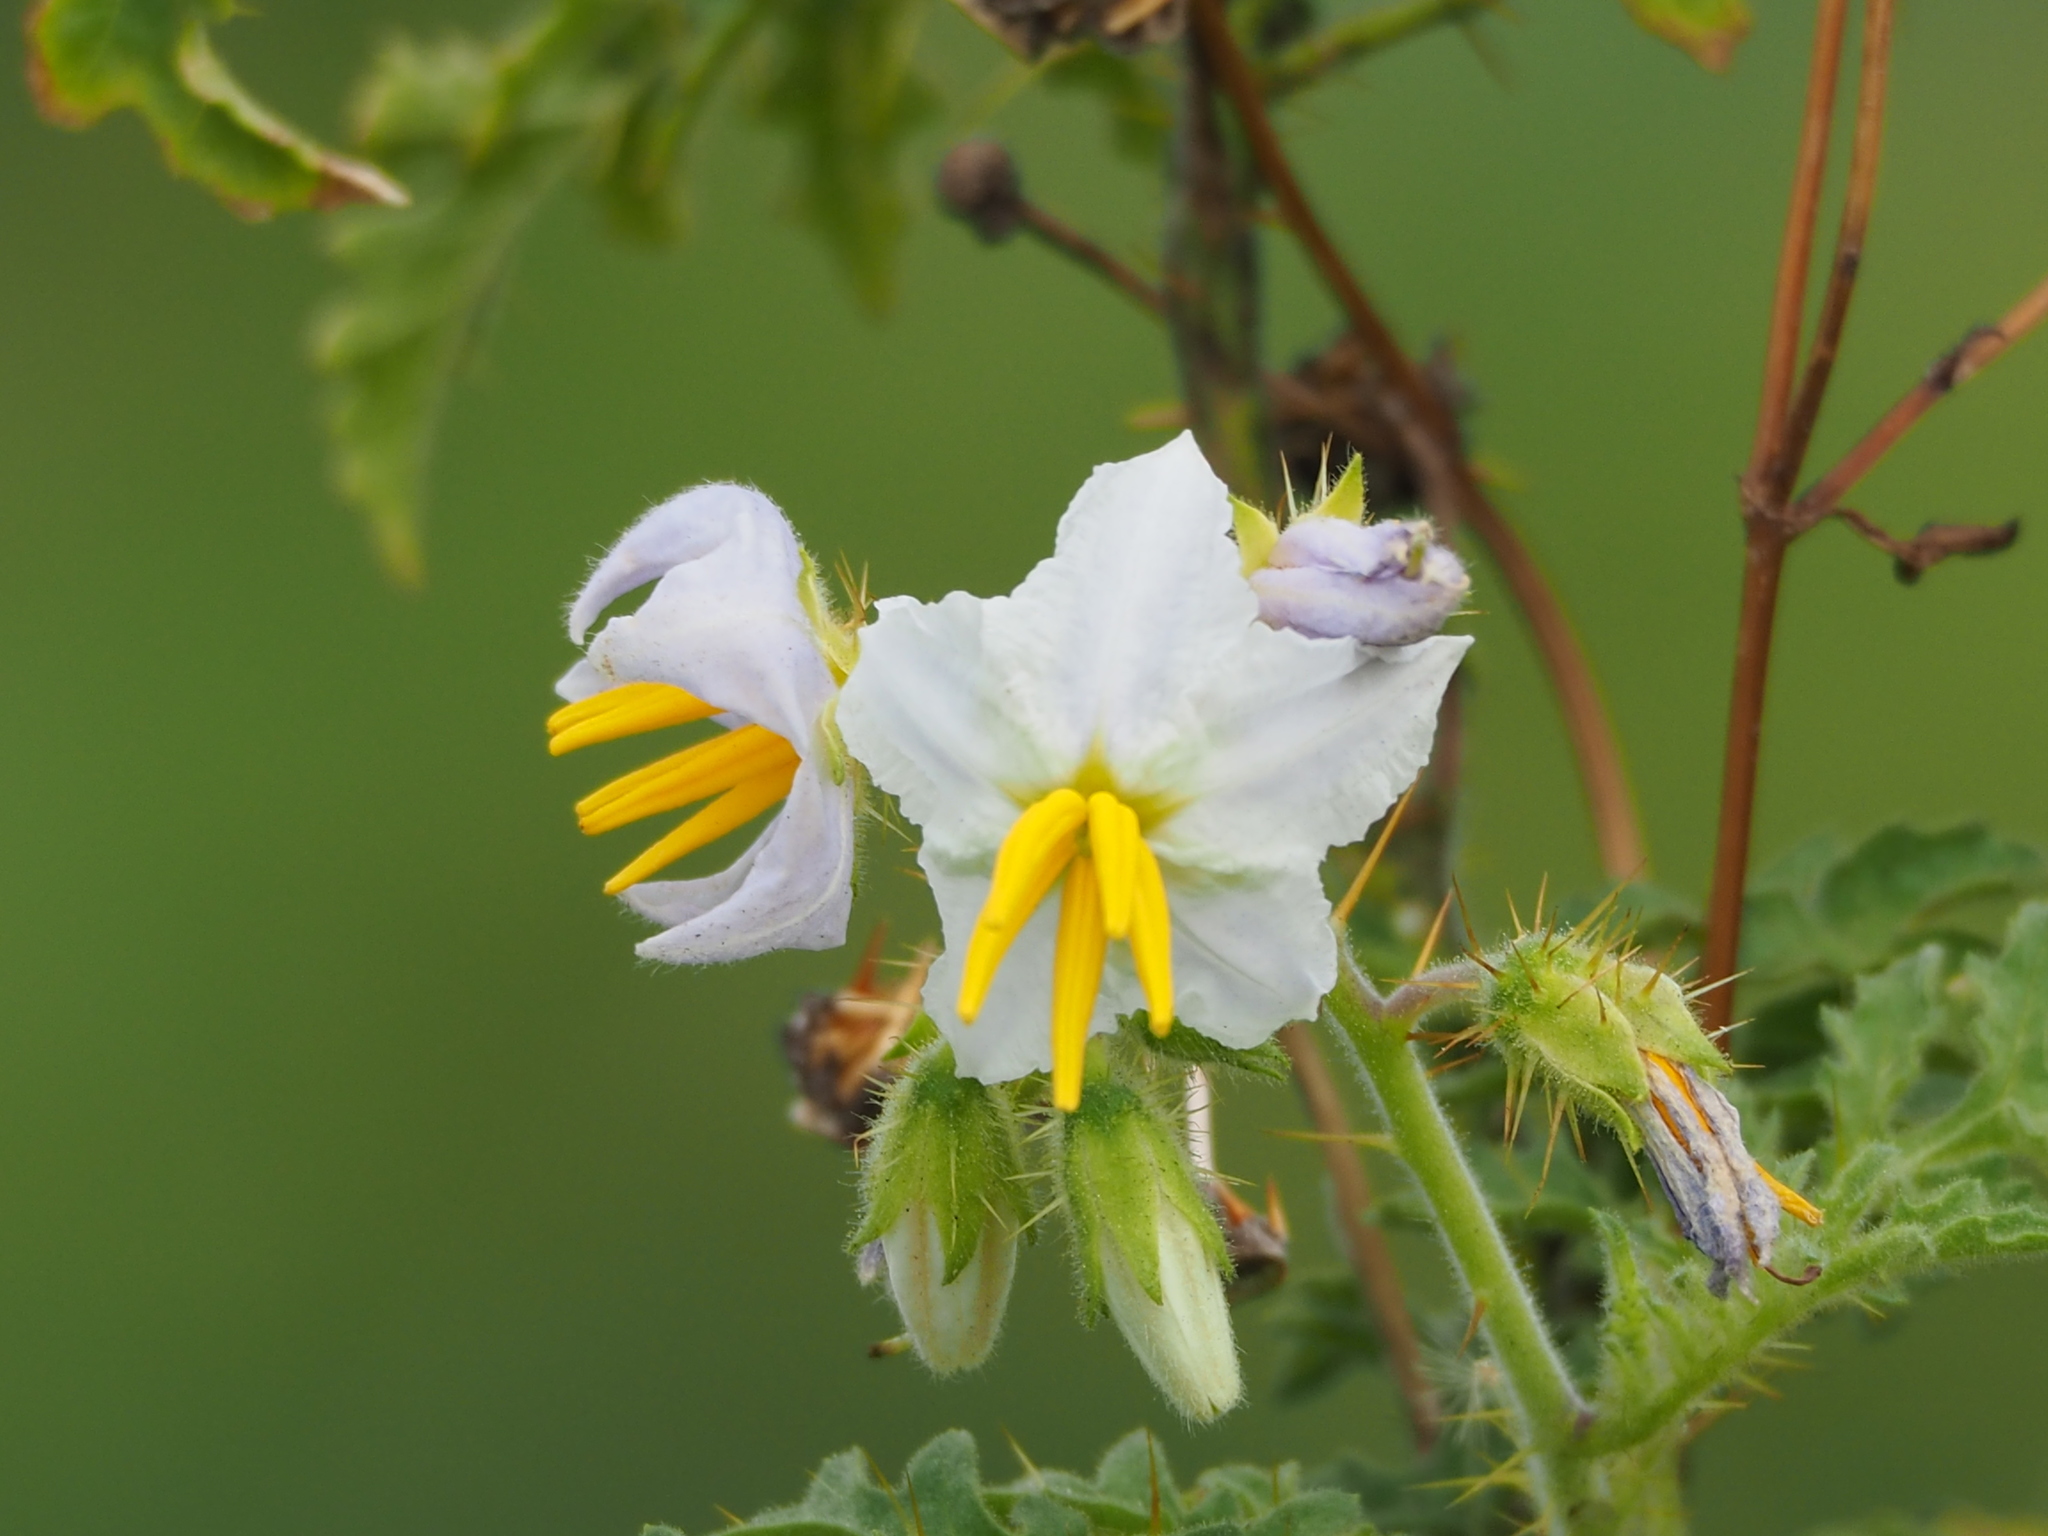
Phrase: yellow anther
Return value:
(623, 711)
(1795, 1203)
(1113, 841)
(1037, 848)
(1152, 939)
(735, 808)
(1076, 978)
(684, 777)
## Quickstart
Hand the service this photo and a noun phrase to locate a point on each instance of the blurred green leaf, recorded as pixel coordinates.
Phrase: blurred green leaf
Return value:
(1708, 30)
(841, 84)
(602, 89)
(1324, 1334)
(1267, 1060)
(1132, 1489)
(87, 58)
(1132, 90)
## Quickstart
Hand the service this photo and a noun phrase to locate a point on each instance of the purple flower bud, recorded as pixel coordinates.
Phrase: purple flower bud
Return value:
(1387, 583)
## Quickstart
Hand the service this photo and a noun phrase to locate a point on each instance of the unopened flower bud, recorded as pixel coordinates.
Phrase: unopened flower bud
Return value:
(1386, 583)
(941, 1193)
(978, 184)
(1148, 1248)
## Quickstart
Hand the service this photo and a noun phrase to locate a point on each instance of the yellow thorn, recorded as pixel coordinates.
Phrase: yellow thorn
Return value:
(735, 808)
(1342, 914)
(623, 711)
(1076, 979)
(1152, 939)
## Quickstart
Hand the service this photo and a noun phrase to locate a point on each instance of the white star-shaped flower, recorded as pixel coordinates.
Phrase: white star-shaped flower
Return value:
(728, 633)
(1124, 727)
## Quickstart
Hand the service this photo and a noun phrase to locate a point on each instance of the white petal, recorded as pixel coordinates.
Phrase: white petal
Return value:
(953, 1326)
(1012, 1035)
(927, 717)
(1250, 955)
(726, 624)
(684, 528)
(1184, 1339)
(580, 682)
(1102, 645)
(793, 889)
(1310, 742)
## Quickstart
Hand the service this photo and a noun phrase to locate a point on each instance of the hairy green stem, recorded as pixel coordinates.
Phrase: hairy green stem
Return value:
(1544, 1397)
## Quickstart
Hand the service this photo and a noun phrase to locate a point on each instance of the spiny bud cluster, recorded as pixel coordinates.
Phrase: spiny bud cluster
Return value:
(1616, 1039)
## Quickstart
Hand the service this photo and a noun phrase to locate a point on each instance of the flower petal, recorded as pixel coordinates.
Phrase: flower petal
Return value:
(791, 890)
(686, 527)
(1102, 645)
(1250, 955)
(1309, 742)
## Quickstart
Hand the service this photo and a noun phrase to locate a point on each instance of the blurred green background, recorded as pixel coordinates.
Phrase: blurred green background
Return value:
(353, 1175)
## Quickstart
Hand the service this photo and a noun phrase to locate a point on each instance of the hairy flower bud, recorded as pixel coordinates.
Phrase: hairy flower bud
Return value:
(1147, 1246)
(941, 1193)
(1619, 1041)
(1387, 583)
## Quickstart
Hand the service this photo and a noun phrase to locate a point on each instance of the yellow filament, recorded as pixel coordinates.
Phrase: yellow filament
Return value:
(1795, 1203)
(1034, 852)
(736, 807)
(685, 777)
(1152, 939)
(1113, 842)
(623, 711)
(1076, 978)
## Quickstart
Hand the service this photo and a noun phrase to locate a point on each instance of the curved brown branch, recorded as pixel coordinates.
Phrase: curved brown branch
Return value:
(1935, 542)
(1433, 437)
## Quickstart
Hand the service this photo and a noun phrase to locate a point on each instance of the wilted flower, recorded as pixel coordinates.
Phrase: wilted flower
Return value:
(735, 629)
(1618, 1040)
(1148, 1248)
(1030, 27)
(941, 1192)
(838, 1046)
(1255, 1240)
(1123, 728)
(1330, 573)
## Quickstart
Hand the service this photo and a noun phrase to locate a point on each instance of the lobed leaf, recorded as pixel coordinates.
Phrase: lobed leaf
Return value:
(87, 58)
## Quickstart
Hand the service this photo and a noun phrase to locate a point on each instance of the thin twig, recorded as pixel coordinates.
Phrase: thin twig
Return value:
(1856, 201)
(1433, 436)
(1795, 254)
(1935, 542)
(1365, 1245)
(1957, 366)
(1765, 535)
(1353, 38)
(1074, 245)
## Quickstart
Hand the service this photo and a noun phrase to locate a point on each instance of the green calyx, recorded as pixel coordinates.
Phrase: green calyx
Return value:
(1257, 530)
(1118, 1155)
(948, 1144)
(1580, 1016)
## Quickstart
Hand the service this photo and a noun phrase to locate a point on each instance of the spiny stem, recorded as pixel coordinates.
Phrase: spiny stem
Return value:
(1433, 434)
(1365, 1245)
(1542, 1392)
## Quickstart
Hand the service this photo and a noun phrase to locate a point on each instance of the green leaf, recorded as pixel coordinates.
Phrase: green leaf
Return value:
(1324, 1334)
(91, 57)
(1131, 89)
(1267, 1060)
(597, 88)
(1707, 30)
(842, 86)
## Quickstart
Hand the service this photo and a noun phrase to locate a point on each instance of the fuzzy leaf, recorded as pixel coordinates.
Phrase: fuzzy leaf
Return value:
(600, 89)
(1267, 1060)
(1324, 1334)
(842, 86)
(87, 58)
(1707, 30)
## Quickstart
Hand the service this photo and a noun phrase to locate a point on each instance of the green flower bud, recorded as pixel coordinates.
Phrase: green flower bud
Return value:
(941, 1191)
(1147, 1246)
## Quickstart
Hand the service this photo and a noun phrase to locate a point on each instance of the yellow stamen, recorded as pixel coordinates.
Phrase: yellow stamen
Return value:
(1795, 1203)
(1152, 940)
(1034, 852)
(1076, 978)
(736, 807)
(684, 777)
(623, 711)
(1113, 841)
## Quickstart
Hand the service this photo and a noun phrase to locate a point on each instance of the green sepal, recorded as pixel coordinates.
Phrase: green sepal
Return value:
(948, 1144)
(1551, 1009)
(1265, 1060)
(1664, 1022)
(1256, 531)
(1346, 499)
(1118, 1155)
(91, 57)
(1708, 31)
